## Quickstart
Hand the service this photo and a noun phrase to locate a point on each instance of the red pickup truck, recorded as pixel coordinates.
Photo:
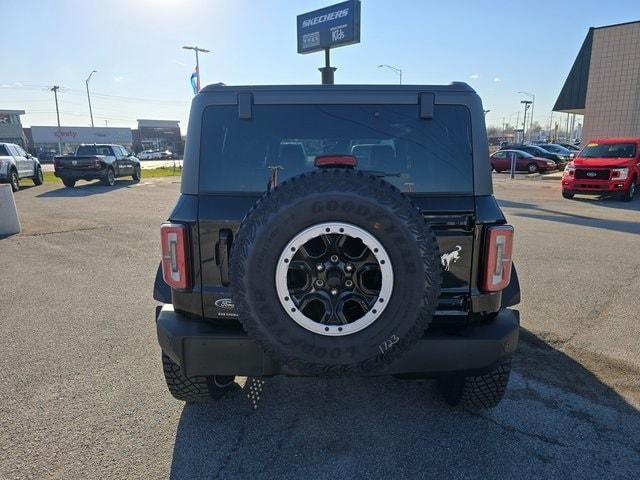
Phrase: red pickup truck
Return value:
(608, 166)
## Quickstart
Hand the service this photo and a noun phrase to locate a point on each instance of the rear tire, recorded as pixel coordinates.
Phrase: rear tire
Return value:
(137, 173)
(568, 194)
(477, 392)
(69, 182)
(194, 389)
(110, 178)
(38, 178)
(630, 193)
(532, 168)
(14, 180)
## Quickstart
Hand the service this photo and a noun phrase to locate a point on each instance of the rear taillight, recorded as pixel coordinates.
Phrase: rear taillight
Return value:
(497, 271)
(175, 265)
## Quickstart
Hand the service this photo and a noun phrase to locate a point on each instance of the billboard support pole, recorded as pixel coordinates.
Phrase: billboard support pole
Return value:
(327, 71)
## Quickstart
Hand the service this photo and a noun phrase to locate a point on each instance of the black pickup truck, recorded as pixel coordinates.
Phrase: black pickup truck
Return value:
(337, 230)
(97, 162)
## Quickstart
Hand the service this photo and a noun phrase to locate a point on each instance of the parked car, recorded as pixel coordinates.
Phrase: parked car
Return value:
(167, 155)
(525, 162)
(559, 149)
(16, 164)
(149, 155)
(570, 146)
(538, 151)
(333, 270)
(607, 166)
(93, 161)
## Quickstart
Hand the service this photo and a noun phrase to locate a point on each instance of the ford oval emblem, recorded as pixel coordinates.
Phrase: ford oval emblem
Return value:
(591, 174)
(225, 303)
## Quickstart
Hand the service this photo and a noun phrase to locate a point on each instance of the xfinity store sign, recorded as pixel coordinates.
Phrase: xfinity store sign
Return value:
(51, 135)
(329, 27)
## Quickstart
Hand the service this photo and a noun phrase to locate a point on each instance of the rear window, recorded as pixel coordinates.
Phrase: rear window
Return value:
(419, 155)
(609, 150)
(94, 150)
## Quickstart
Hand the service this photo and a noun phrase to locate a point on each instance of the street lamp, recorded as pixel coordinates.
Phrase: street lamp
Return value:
(396, 70)
(197, 49)
(533, 104)
(86, 82)
(527, 105)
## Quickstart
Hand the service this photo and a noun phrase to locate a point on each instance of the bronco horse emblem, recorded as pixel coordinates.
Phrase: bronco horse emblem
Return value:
(447, 258)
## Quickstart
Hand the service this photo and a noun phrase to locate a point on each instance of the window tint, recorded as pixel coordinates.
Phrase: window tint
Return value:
(609, 150)
(4, 152)
(94, 150)
(420, 155)
(499, 155)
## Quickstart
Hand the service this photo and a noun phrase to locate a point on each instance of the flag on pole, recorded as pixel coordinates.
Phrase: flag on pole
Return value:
(195, 80)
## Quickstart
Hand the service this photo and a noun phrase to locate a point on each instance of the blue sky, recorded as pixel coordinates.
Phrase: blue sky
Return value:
(498, 47)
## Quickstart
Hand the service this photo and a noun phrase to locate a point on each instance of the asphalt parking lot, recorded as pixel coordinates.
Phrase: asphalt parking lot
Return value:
(82, 392)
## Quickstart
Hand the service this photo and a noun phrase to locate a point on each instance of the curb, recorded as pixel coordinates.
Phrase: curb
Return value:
(9, 222)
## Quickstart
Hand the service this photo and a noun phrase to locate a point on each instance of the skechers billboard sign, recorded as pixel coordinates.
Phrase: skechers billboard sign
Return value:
(329, 27)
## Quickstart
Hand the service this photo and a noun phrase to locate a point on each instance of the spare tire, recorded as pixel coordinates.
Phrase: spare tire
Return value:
(335, 272)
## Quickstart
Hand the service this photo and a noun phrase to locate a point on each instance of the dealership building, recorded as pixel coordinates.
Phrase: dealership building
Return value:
(44, 141)
(158, 135)
(11, 127)
(604, 83)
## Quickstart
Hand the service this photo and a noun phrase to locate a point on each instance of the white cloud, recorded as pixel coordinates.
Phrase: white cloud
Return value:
(475, 76)
(497, 79)
(118, 79)
(179, 63)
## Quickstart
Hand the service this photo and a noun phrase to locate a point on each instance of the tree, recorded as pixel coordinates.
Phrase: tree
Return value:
(493, 131)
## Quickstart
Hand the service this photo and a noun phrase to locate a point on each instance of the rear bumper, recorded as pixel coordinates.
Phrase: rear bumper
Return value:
(202, 348)
(81, 174)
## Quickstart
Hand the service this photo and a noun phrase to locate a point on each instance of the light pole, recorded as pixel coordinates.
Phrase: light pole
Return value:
(527, 105)
(197, 49)
(396, 70)
(55, 89)
(533, 104)
(89, 96)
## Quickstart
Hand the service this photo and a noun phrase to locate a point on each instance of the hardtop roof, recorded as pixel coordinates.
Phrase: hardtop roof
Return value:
(452, 87)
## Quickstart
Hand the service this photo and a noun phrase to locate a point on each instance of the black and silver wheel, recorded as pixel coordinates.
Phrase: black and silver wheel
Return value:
(14, 180)
(38, 177)
(568, 194)
(631, 192)
(334, 279)
(532, 168)
(137, 173)
(110, 178)
(477, 392)
(335, 272)
(194, 389)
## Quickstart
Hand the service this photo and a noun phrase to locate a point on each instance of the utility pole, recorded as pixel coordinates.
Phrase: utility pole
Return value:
(527, 104)
(89, 96)
(197, 49)
(396, 70)
(55, 89)
(533, 104)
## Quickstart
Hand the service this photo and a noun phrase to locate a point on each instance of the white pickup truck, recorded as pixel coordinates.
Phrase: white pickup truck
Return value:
(16, 164)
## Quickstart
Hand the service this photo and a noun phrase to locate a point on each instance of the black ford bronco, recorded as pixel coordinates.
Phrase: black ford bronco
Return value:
(337, 230)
